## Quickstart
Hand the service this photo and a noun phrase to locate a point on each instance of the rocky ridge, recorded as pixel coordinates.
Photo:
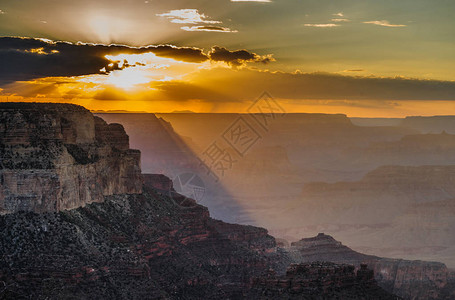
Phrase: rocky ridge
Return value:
(405, 278)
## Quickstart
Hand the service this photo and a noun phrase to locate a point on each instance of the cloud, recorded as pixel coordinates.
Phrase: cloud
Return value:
(340, 14)
(110, 94)
(322, 25)
(192, 16)
(218, 86)
(238, 57)
(187, 16)
(2, 12)
(384, 23)
(246, 84)
(187, 54)
(341, 20)
(29, 58)
(354, 70)
(207, 28)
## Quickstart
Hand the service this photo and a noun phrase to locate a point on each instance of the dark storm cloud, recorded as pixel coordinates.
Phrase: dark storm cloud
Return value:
(237, 57)
(27, 58)
(179, 53)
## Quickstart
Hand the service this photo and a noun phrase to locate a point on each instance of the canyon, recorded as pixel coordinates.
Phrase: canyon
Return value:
(104, 229)
(107, 231)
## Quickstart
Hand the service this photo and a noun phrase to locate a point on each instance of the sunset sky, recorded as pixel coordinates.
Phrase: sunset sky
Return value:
(359, 57)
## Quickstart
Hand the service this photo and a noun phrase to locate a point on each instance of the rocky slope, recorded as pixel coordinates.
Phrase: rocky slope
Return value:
(320, 280)
(145, 246)
(409, 279)
(152, 246)
(59, 156)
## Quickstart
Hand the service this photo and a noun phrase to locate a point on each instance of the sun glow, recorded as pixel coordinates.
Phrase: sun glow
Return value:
(128, 78)
(106, 29)
(137, 70)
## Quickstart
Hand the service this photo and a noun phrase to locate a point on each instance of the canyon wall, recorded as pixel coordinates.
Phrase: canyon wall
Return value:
(59, 156)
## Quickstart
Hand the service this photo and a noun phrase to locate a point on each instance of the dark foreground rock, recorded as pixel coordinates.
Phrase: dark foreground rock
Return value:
(320, 280)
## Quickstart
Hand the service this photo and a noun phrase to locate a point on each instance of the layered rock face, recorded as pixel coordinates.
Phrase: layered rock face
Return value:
(58, 156)
(409, 279)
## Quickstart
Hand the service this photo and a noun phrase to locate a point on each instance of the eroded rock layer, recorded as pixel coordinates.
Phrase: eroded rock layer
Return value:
(58, 156)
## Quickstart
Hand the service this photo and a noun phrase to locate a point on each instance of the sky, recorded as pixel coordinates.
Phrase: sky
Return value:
(358, 57)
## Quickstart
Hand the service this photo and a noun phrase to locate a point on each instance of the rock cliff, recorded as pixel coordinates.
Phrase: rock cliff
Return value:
(58, 156)
(408, 279)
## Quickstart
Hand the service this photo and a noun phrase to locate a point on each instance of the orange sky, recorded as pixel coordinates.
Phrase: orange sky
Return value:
(361, 58)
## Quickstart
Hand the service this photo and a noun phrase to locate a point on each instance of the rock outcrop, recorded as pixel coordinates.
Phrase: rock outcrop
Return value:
(58, 156)
(408, 279)
(159, 182)
(320, 280)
